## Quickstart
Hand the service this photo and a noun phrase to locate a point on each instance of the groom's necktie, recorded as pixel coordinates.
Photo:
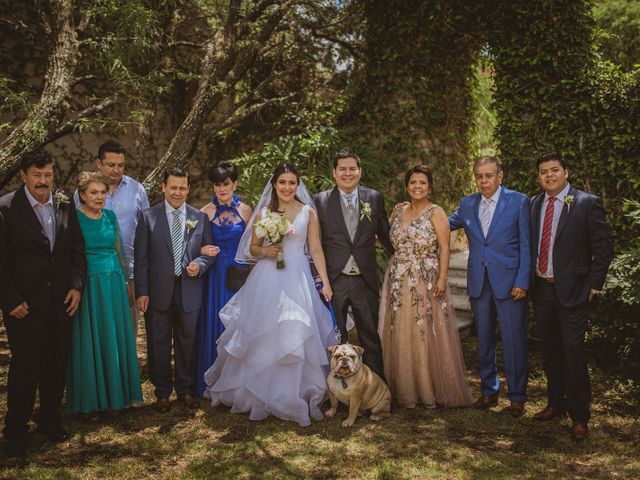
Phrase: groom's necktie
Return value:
(349, 198)
(545, 242)
(177, 237)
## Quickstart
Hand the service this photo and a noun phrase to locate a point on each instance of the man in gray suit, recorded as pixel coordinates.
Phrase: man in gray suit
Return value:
(351, 217)
(168, 269)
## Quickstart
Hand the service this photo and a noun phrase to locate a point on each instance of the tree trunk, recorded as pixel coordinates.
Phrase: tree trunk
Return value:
(46, 116)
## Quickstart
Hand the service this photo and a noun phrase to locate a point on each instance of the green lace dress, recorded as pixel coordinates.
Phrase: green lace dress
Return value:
(103, 371)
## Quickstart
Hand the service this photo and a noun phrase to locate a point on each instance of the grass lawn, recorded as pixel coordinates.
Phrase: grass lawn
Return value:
(458, 443)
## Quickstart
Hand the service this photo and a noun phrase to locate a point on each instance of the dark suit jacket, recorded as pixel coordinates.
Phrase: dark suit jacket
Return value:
(337, 244)
(153, 253)
(29, 270)
(505, 252)
(582, 249)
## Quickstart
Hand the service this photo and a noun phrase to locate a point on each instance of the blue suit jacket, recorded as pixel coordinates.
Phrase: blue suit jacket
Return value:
(505, 252)
(153, 266)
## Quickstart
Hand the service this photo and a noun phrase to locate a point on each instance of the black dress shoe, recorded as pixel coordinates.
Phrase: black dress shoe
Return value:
(190, 401)
(55, 433)
(16, 448)
(162, 405)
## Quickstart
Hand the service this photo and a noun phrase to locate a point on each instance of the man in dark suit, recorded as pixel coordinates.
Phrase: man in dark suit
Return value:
(572, 250)
(496, 222)
(351, 217)
(168, 269)
(42, 273)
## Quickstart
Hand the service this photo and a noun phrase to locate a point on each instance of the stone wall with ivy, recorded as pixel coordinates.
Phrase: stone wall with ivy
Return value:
(411, 99)
(554, 92)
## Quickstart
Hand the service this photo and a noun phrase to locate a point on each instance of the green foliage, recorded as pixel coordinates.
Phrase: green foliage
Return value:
(484, 117)
(615, 321)
(618, 23)
(624, 275)
(410, 101)
(553, 92)
(310, 152)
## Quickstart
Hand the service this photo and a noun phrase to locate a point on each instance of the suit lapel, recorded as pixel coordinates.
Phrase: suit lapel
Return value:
(191, 216)
(163, 225)
(334, 204)
(29, 214)
(564, 215)
(535, 221)
(59, 215)
(360, 200)
(475, 205)
(502, 202)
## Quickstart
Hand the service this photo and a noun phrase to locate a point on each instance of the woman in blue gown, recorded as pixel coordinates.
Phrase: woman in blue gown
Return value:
(228, 217)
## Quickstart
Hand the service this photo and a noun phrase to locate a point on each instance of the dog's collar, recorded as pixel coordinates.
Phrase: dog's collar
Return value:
(343, 380)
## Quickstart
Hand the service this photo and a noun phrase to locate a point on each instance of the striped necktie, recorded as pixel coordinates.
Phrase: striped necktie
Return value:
(176, 242)
(545, 242)
(485, 215)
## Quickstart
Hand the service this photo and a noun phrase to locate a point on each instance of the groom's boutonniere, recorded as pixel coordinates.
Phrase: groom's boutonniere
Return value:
(190, 224)
(568, 200)
(365, 210)
(60, 198)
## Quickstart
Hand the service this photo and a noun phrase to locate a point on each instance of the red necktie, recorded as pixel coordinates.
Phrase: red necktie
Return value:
(545, 243)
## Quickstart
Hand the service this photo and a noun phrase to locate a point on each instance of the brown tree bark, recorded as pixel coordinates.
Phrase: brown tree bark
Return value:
(229, 54)
(47, 115)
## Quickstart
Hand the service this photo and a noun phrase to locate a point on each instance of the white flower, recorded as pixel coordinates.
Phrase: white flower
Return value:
(261, 232)
(365, 210)
(190, 224)
(568, 200)
(60, 198)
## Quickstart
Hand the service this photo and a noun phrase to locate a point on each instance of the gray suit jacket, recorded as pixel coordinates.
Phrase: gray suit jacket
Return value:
(336, 242)
(153, 267)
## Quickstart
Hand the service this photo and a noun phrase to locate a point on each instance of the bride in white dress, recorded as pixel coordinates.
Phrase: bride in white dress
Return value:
(272, 357)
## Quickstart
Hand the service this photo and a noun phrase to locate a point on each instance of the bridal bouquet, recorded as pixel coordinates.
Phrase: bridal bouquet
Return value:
(273, 227)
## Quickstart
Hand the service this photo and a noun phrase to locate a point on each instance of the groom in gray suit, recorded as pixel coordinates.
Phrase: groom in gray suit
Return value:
(168, 269)
(351, 217)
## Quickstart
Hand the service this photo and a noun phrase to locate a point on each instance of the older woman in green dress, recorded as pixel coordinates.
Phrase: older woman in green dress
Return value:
(103, 373)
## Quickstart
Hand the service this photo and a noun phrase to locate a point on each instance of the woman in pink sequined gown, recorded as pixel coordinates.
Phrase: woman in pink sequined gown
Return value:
(421, 349)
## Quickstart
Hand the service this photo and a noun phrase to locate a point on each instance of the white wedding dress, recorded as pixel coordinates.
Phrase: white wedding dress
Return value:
(272, 357)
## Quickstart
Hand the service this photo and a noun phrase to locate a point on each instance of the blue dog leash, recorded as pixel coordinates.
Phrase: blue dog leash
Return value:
(329, 305)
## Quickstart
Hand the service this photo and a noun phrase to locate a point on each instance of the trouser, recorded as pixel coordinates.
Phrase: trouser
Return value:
(562, 334)
(39, 361)
(352, 290)
(512, 316)
(167, 327)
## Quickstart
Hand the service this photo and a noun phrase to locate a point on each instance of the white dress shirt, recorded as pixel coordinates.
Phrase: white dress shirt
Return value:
(490, 203)
(557, 210)
(46, 215)
(183, 214)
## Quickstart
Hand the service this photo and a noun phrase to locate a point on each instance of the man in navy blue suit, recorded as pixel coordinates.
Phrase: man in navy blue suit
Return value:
(571, 253)
(496, 222)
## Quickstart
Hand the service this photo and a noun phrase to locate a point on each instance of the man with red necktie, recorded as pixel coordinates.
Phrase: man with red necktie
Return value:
(571, 252)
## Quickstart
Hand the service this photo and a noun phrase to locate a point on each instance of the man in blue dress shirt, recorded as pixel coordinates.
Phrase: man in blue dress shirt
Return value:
(127, 198)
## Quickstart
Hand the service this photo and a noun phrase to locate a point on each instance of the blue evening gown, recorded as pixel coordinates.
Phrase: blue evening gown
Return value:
(227, 227)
